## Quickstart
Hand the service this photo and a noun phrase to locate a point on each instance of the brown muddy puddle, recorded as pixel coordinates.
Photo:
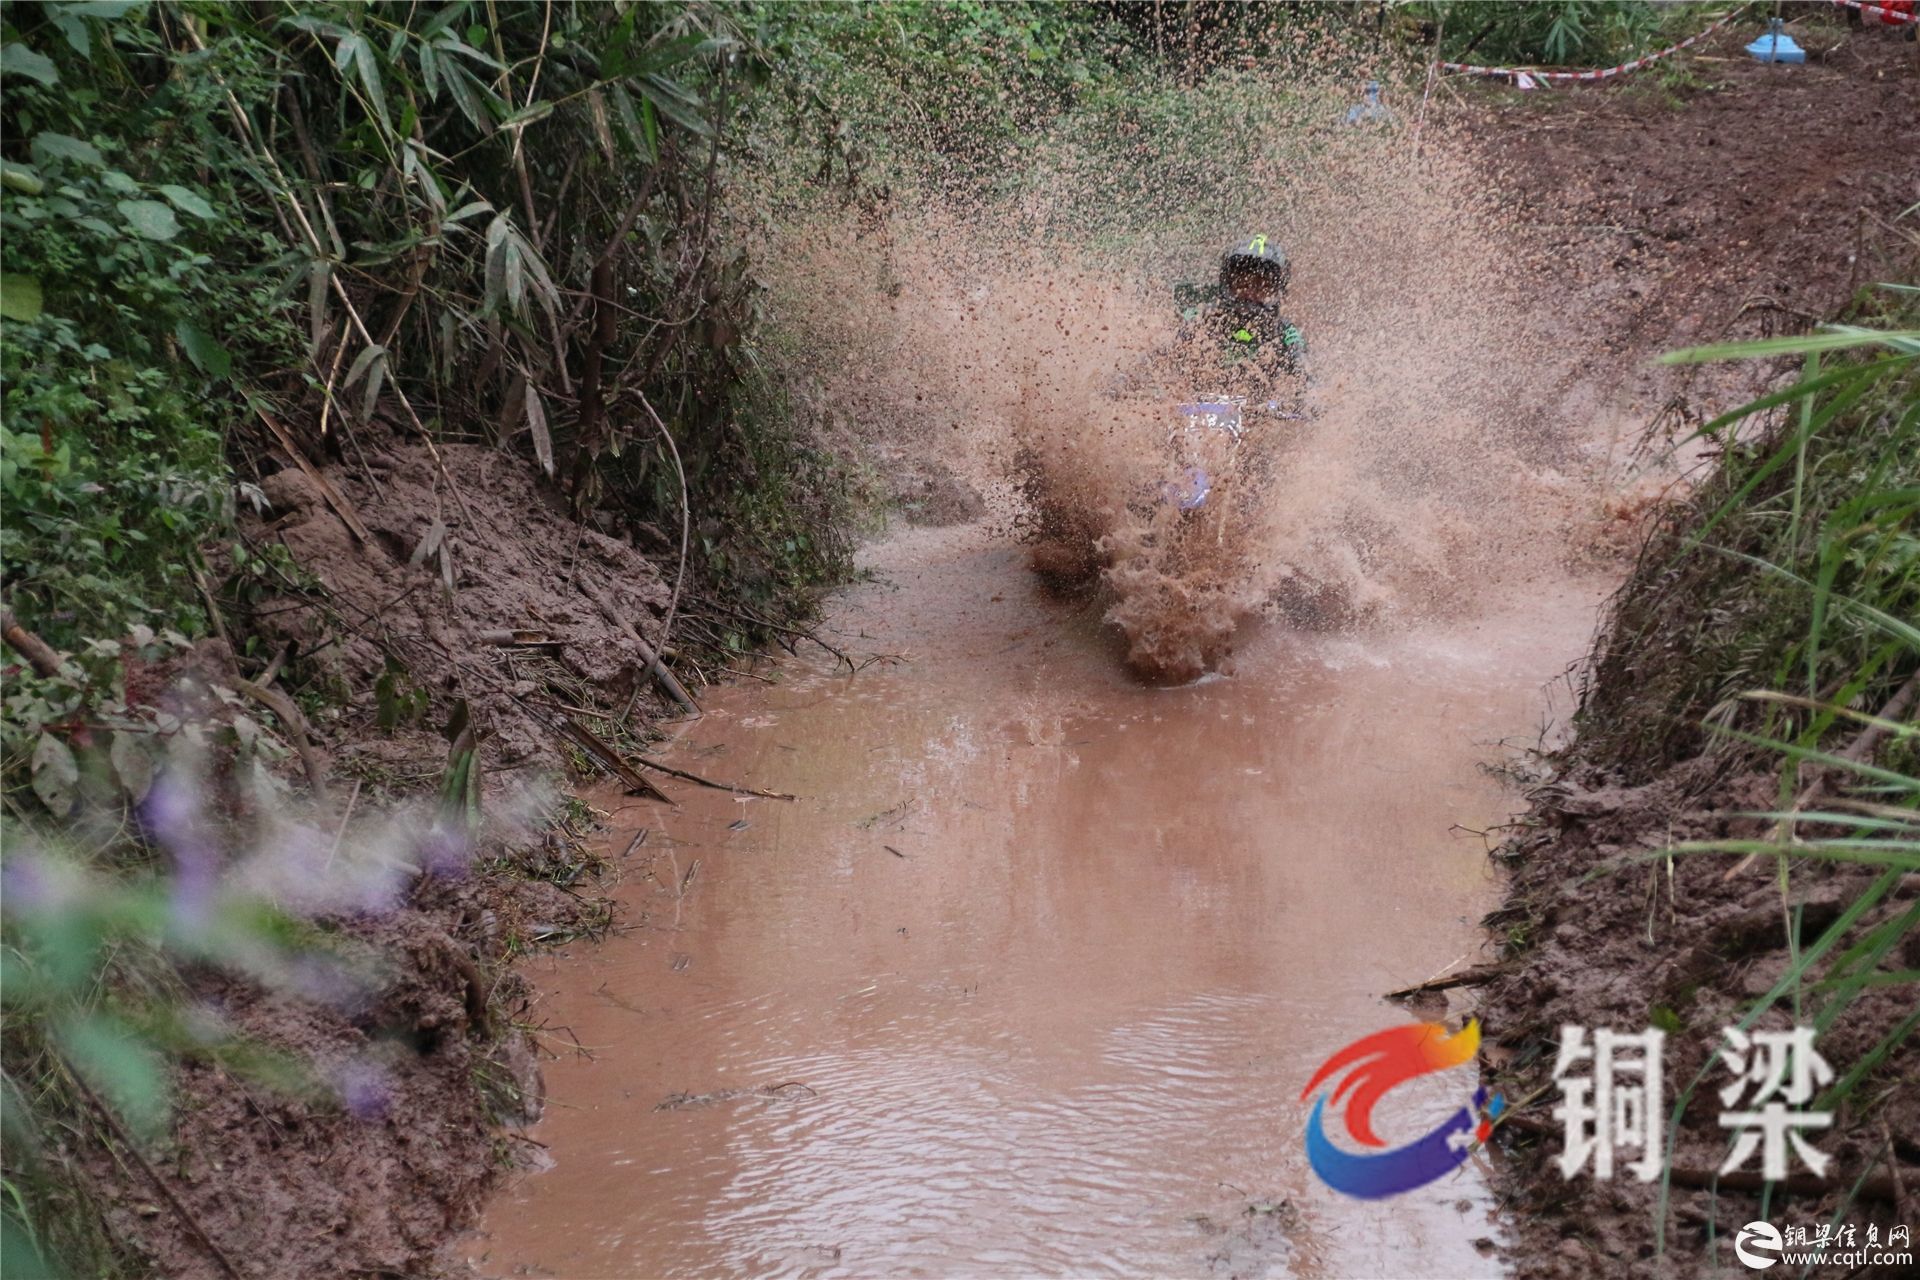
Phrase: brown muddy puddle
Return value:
(1029, 979)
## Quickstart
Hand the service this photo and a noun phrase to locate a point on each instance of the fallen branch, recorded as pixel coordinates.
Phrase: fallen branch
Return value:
(686, 508)
(1469, 977)
(614, 763)
(295, 724)
(40, 655)
(697, 780)
(665, 678)
(335, 499)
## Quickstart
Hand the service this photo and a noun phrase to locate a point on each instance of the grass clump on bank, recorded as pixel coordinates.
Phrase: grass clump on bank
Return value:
(1795, 569)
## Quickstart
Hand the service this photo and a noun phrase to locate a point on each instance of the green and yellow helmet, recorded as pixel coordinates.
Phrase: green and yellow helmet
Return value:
(1260, 260)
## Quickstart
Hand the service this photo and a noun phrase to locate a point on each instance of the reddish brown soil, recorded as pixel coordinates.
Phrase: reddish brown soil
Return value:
(1712, 197)
(299, 1186)
(510, 559)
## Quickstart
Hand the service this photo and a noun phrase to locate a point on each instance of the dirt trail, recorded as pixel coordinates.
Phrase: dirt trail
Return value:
(1031, 976)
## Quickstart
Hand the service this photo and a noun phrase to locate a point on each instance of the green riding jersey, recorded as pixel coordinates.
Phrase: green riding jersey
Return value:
(1243, 331)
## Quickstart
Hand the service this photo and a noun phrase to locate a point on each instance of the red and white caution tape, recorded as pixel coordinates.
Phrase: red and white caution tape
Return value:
(1528, 78)
(1893, 15)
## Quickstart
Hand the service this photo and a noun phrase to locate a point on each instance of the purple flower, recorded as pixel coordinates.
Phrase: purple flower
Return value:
(365, 1088)
(171, 815)
(445, 852)
(25, 887)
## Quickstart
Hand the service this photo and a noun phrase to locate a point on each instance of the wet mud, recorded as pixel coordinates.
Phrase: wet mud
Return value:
(1030, 976)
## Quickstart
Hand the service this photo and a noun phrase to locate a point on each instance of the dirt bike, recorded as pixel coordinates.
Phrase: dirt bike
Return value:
(1175, 549)
(1183, 572)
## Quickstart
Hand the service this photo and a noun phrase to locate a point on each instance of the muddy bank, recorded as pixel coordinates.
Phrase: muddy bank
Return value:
(425, 586)
(1731, 199)
(1687, 948)
(1759, 207)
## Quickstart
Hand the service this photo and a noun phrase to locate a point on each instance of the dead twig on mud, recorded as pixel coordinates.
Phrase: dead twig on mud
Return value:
(800, 633)
(614, 763)
(699, 781)
(1469, 977)
(328, 490)
(655, 667)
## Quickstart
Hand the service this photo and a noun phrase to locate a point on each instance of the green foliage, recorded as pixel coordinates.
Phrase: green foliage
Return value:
(131, 278)
(997, 72)
(1557, 32)
(1803, 562)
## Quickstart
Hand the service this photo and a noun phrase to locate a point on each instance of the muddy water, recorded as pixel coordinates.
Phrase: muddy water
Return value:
(1030, 977)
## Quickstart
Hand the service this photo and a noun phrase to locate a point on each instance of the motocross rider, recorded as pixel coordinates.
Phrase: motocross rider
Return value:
(1243, 319)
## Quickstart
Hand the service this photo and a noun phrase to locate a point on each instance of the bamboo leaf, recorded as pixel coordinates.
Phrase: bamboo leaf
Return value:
(470, 96)
(528, 115)
(319, 275)
(376, 377)
(516, 275)
(497, 233)
(602, 128)
(675, 103)
(537, 424)
(367, 68)
(363, 362)
(430, 71)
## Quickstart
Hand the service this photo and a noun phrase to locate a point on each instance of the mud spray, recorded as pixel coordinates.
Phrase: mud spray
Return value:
(1004, 341)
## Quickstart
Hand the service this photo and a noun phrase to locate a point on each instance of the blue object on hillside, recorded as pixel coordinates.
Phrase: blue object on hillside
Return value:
(1775, 45)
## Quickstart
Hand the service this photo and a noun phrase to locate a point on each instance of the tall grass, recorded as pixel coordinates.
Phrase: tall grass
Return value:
(1810, 559)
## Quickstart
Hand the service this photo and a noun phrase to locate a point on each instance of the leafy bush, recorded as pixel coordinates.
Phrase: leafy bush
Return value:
(132, 277)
